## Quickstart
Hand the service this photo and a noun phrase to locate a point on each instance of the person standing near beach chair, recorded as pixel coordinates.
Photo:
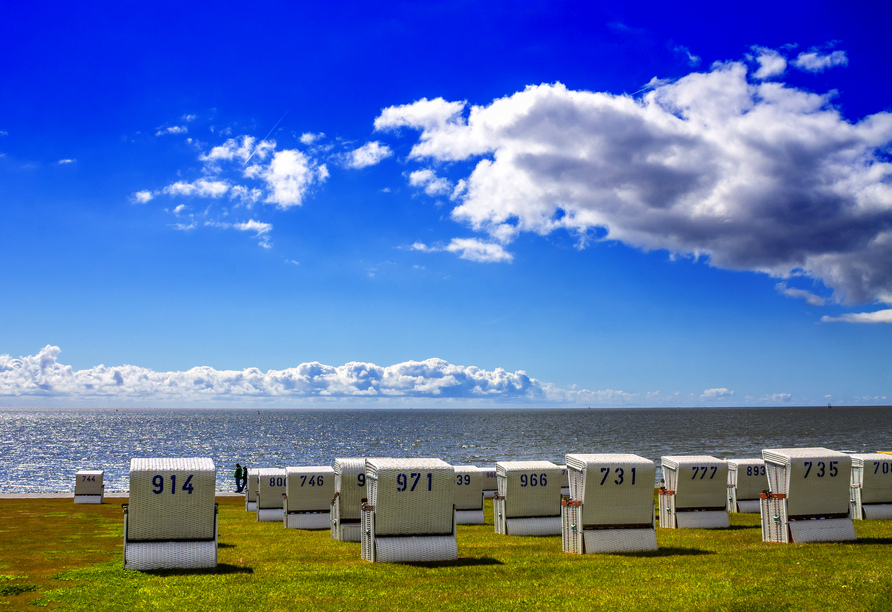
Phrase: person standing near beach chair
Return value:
(238, 478)
(244, 478)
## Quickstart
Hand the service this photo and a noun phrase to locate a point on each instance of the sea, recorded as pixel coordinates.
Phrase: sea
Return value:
(41, 449)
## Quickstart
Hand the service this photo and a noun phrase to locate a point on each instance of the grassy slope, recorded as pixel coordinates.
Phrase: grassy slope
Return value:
(71, 556)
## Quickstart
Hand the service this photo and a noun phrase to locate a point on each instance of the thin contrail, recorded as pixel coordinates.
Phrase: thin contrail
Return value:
(264, 139)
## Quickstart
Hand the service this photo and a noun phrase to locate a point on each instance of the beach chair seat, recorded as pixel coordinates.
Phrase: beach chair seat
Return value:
(308, 493)
(346, 504)
(528, 502)
(490, 482)
(410, 513)
(89, 487)
(270, 489)
(251, 491)
(871, 486)
(808, 498)
(746, 481)
(610, 507)
(469, 481)
(694, 494)
(170, 521)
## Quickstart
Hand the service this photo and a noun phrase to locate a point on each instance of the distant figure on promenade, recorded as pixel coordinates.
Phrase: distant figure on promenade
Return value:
(244, 478)
(238, 478)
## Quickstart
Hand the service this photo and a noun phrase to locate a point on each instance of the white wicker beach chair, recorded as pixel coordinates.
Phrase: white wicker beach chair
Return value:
(694, 494)
(346, 504)
(529, 498)
(410, 514)
(469, 481)
(611, 507)
(871, 486)
(171, 519)
(89, 487)
(308, 493)
(746, 481)
(809, 496)
(270, 489)
(251, 491)
(490, 482)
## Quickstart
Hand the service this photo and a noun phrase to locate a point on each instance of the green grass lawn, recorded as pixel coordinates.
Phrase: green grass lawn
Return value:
(54, 553)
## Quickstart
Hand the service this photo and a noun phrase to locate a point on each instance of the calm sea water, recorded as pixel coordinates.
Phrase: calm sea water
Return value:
(40, 450)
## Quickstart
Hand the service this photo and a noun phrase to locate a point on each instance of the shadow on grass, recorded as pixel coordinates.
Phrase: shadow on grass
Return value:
(863, 541)
(222, 568)
(739, 527)
(669, 551)
(460, 562)
(222, 545)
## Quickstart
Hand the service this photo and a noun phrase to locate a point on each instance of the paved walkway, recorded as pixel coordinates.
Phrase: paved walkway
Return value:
(109, 495)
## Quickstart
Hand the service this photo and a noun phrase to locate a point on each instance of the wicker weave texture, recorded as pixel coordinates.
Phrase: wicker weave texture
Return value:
(469, 487)
(308, 520)
(748, 476)
(350, 484)
(815, 480)
(710, 519)
(270, 515)
(490, 481)
(309, 489)
(873, 512)
(89, 482)
(617, 488)
(699, 481)
(251, 491)
(88, 499)
(774, 520)
(411, 496)
(525, 495)
(170, 555)
(667, 511)
(605, 541)
(416, 549)
(250, 506)
(160, 508)
(822, 530)
(541, 526)
(748, 506)
(270, 488)
(873, 472)
(469, 517)
(571, 529)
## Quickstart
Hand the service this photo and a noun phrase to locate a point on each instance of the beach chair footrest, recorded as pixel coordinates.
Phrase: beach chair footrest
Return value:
(469, 517)
(170, 555)
(308, 520)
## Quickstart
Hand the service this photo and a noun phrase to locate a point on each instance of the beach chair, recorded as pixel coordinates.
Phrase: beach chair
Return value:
(808, 497)
(565, 480)
(746, 481)
(694, 494)
(171, 519)
(490, 482)
(89, 487)
(611, 504)
(529, 499)
(346, 504)
(410, 515)
(308, 493)
(469, 481)
(270, 489)
(871, 486)
(251, 491)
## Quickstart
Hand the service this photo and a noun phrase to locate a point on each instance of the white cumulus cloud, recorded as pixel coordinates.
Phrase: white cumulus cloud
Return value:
(754, 175)
(201, 188)
(879, 316)
(430, 182)
(471, 249)
(142, 196)
(174, 129)
(815, 61)
(716, 394)
(289, 175)
(801, 294)
(771, 63)
(368, 154)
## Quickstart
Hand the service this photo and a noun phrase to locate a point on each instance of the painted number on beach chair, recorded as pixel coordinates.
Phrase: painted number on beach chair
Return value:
(755, 470)
(877, 464)
(821, 471)
(314, 480)
(534, 480)
(463, 479)
(702, 471)
(402, 482)
(619, 473)
(158, 484)
(277, 481)
(360, 480)
(88, 479)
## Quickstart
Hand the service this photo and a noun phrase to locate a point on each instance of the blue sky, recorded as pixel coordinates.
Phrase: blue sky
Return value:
(446, 204)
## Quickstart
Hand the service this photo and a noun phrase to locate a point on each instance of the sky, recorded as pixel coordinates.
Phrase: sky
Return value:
(446, 204)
